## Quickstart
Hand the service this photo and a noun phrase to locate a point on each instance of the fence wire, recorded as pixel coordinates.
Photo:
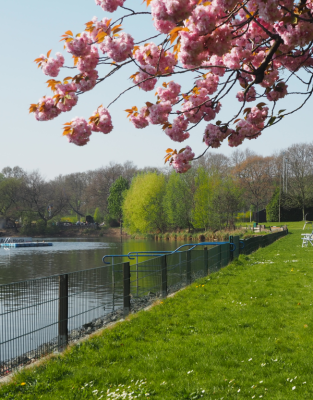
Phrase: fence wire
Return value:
(35, 314)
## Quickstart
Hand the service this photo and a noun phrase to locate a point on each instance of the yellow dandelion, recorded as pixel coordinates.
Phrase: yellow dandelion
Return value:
(23, 383)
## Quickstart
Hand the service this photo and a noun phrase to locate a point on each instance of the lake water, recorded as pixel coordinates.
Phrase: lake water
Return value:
(68, 255)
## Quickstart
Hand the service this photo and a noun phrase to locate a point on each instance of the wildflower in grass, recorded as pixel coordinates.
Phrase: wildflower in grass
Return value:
(250, 359)
(23, 383)
(189, 372)
(293, 388)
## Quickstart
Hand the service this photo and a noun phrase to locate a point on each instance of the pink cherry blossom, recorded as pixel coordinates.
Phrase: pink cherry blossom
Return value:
(68, 98)
(101, 121)
(150, 54)
(177, 131)
(235, 139)
(139, 120)
(169, 93)
(80, 46)
(110, 5)
(158, 113)
(279, 91)
(181, 161)
(247, 130)
(118, 48)
(208, 82)
(217, 63)
(99, 26)
(89, 62)
(145, 78)
(81, 132)
(46, 109)
(257, 116)
(192, 52)
(214, 135)
(250, 95)
(87, 80)
(51, 66)
(202, 20)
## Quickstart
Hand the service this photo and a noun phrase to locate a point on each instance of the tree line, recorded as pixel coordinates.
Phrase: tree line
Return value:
(209, 196)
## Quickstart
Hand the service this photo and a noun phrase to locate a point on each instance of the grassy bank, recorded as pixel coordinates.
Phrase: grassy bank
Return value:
(244, 332)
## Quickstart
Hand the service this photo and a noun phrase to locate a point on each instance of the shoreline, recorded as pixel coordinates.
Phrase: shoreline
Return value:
(70, 232)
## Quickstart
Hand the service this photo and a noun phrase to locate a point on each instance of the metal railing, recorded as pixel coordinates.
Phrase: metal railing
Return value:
(43, 315)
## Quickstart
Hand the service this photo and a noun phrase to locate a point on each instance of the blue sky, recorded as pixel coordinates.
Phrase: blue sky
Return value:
(30, 28)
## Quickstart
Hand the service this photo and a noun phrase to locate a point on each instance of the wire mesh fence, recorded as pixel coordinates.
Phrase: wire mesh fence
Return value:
(40, 316)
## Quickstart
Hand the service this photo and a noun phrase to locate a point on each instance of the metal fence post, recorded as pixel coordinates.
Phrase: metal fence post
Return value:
(188, 267)
(206, 261)
(164, 276)
(63, 312)
(220, 256)
(137, 280)
(126, 288)
(231, 253)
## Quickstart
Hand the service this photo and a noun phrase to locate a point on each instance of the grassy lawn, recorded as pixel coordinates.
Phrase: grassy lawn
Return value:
(244, 332)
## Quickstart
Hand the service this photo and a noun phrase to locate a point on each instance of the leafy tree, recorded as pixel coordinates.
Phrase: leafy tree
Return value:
(178, 201)
(202, 197)
(97, 216)
(143, 207)
(272, 209)
(226, 201)
(115, 199)
(255, 51)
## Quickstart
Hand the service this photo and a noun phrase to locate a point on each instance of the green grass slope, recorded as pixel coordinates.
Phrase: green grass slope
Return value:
(245, 332)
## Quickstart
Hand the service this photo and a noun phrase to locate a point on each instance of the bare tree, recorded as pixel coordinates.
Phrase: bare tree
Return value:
(298, 178)
(256, 176)
(75, 190)
(214, 163)
(46, 199)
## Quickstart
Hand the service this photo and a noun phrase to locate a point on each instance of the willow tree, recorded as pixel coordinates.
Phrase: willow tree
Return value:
(143, 207)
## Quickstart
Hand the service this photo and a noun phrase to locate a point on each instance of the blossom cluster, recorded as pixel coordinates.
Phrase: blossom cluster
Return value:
(229, 43)
(110, 5)
(78, 131)
(51, 66)
(181, 161)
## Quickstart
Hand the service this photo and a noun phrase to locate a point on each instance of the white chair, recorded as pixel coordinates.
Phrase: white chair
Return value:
(307, 238)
